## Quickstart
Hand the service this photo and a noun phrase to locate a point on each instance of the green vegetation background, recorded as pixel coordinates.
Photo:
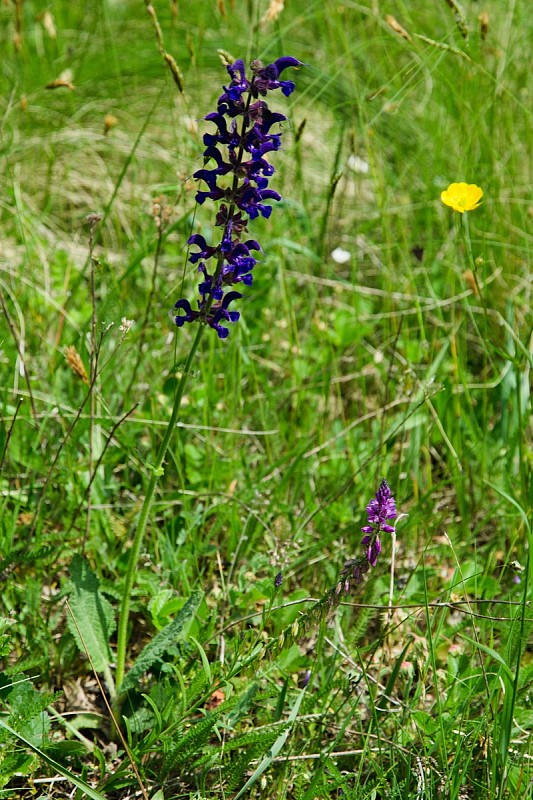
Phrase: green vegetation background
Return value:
(396, 363)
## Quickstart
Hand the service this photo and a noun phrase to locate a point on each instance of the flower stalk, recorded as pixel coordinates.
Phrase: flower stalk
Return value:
(243, 160)
(381, 508)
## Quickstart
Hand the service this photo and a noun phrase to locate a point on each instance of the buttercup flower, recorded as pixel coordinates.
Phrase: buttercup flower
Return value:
(462, 196)
(236, 172)
(381, 508)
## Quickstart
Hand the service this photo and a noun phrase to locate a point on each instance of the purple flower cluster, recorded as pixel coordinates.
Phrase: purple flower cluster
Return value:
(381, 508)
(239, 182)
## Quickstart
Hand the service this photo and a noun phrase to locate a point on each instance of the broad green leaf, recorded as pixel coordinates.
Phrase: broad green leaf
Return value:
(94, 620)
(162, 642)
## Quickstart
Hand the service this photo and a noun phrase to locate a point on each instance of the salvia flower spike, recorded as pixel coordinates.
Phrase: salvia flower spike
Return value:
(236, 172)
(380, 509)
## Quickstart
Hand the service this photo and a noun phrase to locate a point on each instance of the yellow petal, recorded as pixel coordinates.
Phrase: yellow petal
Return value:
(462, 196)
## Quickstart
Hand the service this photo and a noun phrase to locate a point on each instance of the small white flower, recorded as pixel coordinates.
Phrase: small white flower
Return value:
(358, 165)
(126, 325)
(341, 256)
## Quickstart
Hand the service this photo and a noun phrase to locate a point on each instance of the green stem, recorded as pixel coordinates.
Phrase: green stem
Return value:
(468, 244)
(157, 468)
(465, 230)
(157, 471)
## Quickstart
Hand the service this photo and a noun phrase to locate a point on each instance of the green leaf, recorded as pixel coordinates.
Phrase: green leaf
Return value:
(162, 642)
(84, 787)
(275, 749)
(493, 654)
(203, 656)
(94, 620)
(186, 748)
(383, 701)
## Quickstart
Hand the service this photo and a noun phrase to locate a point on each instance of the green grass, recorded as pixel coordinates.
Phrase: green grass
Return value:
(388, 365)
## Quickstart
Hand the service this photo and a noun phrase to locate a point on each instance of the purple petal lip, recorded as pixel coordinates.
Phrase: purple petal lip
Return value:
(218, 119)
(185, 305)
(237, 66)
(286, 61)
(212, 152)
(198, 239)
(287, 87)
(230, 297)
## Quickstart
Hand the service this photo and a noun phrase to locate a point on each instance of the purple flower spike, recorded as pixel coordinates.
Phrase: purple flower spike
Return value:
(382, 506)
(236, 174)
(380, 509)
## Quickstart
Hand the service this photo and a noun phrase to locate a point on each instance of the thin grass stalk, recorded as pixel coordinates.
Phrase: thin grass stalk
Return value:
(148, 308)
(10, 433)
(333, 183)
(67, 435)
(98, 464)
(71, 298)
(20, 352)
(48, 477)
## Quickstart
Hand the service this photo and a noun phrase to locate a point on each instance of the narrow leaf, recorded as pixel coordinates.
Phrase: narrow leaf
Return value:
(275, 749)
(82, 786)
(203, 656)
(162, 642)
(383, 701)
(493, 654)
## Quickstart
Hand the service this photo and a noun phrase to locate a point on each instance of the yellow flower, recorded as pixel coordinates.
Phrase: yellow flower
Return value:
(462, 196)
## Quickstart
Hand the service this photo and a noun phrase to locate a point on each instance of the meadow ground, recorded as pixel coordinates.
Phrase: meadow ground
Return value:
(385, 336)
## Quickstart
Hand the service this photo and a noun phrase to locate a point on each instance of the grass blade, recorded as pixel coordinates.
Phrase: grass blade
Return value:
(81, 785)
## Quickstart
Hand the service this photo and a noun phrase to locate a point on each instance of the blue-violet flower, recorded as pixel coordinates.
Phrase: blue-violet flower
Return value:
(237, 176)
